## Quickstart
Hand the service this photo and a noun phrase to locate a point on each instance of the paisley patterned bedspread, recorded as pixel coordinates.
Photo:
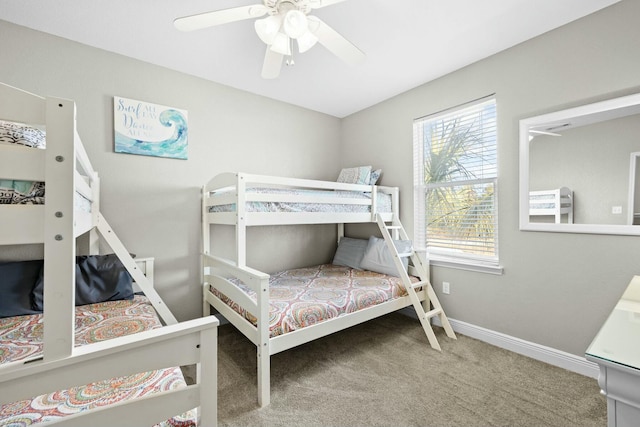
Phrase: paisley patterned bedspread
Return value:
(21, 337)
(383, 201)
(306, 296)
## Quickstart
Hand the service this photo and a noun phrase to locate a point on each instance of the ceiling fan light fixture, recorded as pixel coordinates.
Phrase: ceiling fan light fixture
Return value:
(295, 23)
(306, 41)
(281, 44)
(268, 28)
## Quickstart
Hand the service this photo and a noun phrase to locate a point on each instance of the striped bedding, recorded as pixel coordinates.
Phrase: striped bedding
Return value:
(21, 337)
(306, 296)
(383, 202)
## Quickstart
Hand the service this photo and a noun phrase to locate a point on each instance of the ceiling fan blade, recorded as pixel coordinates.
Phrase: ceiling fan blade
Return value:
(317, 4)
(218, 17)
(272, 64)
(335, 43)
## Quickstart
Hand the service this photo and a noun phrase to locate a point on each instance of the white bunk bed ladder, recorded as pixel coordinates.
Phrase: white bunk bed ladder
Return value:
(424, 312)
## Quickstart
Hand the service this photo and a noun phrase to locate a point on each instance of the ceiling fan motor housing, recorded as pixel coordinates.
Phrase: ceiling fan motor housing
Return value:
(283, 6)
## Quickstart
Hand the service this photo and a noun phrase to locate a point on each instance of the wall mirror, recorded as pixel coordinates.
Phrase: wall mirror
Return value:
(580, 169)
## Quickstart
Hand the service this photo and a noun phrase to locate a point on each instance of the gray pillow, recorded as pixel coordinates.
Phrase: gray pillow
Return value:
(17, 280)
(378, 258)
(350, 252)
(99, 278)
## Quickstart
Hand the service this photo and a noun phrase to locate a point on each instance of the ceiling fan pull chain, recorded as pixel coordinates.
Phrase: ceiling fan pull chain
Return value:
(290, 62)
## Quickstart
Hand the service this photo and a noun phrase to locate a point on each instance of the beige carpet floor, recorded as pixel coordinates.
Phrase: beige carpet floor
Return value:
(384, 373)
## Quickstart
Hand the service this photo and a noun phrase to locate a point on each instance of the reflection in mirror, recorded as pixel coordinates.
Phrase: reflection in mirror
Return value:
(579, 169)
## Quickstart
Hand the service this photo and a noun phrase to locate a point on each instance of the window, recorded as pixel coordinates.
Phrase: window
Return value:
(455, 183)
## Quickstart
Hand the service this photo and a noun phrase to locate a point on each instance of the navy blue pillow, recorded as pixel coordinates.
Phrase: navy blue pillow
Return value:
(99, 278)
(17, 280)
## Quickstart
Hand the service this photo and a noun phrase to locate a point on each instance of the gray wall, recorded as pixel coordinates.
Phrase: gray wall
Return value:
(556, 289)
(153, 204)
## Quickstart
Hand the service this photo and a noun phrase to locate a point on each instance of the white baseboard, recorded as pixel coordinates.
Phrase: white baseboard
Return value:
(549, 355)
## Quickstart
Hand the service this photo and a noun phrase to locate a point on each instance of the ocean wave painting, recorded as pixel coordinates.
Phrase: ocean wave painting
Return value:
(149, 129)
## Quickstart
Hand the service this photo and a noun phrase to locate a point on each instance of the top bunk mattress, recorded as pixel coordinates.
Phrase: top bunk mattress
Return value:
(328, 201)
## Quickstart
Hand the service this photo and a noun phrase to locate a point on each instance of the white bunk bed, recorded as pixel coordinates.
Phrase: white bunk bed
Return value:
(252, 300)
(555, 203)
(58, 363)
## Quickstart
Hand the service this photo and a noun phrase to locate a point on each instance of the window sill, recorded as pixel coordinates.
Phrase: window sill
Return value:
(465, 265)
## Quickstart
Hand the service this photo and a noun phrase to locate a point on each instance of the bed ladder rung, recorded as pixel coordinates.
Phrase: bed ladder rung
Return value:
(416, 285)
(433, 313)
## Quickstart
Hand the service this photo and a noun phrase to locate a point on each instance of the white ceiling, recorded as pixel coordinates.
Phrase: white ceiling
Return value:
(407, 42)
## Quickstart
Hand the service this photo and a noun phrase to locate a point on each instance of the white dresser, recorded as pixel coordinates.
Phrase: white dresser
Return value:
(616, 350)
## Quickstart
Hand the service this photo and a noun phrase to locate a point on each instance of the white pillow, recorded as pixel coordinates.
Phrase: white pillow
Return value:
(350, 252)
(378, 258)
(356, 175)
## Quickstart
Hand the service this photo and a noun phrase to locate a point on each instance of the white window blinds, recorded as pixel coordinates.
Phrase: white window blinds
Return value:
(455, 183)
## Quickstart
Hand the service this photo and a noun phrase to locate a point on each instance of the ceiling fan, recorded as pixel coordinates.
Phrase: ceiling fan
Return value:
(287, 20)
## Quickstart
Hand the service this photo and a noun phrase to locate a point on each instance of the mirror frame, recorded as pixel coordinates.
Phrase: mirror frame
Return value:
(577, 116)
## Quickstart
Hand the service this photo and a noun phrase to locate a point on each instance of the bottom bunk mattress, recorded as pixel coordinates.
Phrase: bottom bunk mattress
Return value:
(306, 296)
(21, 338)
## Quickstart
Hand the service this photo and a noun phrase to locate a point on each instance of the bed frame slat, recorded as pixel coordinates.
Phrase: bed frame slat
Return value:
(231, 291)
(21, 163)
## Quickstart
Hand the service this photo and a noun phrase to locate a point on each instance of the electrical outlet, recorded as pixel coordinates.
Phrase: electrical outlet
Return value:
(445, 288)
(616, 210)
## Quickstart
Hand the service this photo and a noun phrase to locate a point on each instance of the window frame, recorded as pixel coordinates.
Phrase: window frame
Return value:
(465, 261)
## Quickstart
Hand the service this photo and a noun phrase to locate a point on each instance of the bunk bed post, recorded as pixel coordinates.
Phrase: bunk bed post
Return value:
(374, 202)
(395, 208)
(264, 350)
(241, 223)
(570, 214)
(206, 249)
(206, 238)
(207, 377)
(59, 237)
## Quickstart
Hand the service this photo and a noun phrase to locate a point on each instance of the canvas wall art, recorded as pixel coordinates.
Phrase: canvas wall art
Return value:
(149, 129)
